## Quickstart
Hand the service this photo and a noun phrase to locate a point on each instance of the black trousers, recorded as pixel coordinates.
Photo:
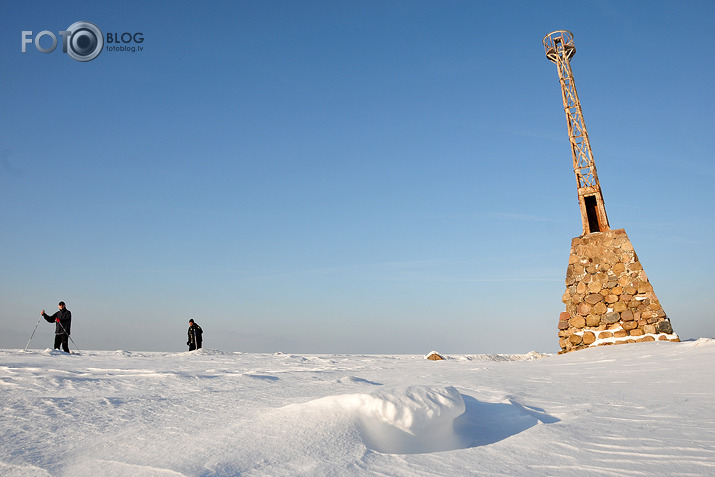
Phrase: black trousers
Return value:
(62, 340)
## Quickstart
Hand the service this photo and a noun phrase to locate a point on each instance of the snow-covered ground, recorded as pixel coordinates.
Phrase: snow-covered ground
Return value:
(640, 409)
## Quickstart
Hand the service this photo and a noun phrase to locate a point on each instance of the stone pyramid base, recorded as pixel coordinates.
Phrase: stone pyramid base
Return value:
(608, 297)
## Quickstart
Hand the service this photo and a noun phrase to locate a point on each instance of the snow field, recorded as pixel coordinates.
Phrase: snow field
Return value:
(642, 409)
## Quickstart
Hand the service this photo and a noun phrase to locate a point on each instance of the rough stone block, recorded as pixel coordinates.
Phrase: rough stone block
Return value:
(599, 308)
(618, 268)
(649, 315)
(595, 286)
(583, 309)
(635, 267)
(577, 322)
(664, 327)
(593, 321)
(610, 318)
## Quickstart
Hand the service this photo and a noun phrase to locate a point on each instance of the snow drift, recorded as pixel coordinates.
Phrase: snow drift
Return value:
(401, 420)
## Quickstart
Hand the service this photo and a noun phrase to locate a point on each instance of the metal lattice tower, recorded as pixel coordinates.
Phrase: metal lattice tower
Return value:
(560, 49)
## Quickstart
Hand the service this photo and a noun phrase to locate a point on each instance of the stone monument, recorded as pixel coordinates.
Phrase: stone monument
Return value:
(608, 297)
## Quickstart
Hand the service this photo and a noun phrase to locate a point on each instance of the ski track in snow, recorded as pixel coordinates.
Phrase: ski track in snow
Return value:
(632, 410)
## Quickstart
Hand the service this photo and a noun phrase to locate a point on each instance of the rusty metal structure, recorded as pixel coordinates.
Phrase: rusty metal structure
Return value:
(560, 48)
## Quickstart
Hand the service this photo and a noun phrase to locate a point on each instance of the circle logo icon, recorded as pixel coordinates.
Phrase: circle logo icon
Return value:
(85, 41)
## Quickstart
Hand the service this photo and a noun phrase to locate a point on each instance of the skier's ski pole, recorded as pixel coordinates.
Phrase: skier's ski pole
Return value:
(33, 333)
(68, 336)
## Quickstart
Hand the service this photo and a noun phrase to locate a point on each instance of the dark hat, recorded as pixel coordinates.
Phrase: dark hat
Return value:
(191, 320)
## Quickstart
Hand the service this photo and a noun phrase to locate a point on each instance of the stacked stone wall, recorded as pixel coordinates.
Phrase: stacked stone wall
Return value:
(608, 297)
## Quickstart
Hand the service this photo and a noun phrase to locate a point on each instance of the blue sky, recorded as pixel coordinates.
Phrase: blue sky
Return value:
(349, 177)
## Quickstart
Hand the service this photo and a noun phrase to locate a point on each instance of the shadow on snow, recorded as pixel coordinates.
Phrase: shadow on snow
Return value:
(486, 423)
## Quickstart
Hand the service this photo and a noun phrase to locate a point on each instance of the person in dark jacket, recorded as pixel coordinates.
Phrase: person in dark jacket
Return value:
(62, 320)
(195, 338)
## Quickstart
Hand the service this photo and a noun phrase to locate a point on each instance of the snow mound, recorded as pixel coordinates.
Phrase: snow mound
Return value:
(7, 470)
(530, 356)
(703, 342)
(408, 420)
(210, 352)
(57, 352)
(356, 380)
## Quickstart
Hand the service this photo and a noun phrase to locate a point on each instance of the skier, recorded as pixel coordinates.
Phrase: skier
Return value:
(195, 333)
(63, 320)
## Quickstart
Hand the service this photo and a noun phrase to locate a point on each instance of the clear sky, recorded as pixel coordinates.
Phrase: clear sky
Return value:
(349, 177)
